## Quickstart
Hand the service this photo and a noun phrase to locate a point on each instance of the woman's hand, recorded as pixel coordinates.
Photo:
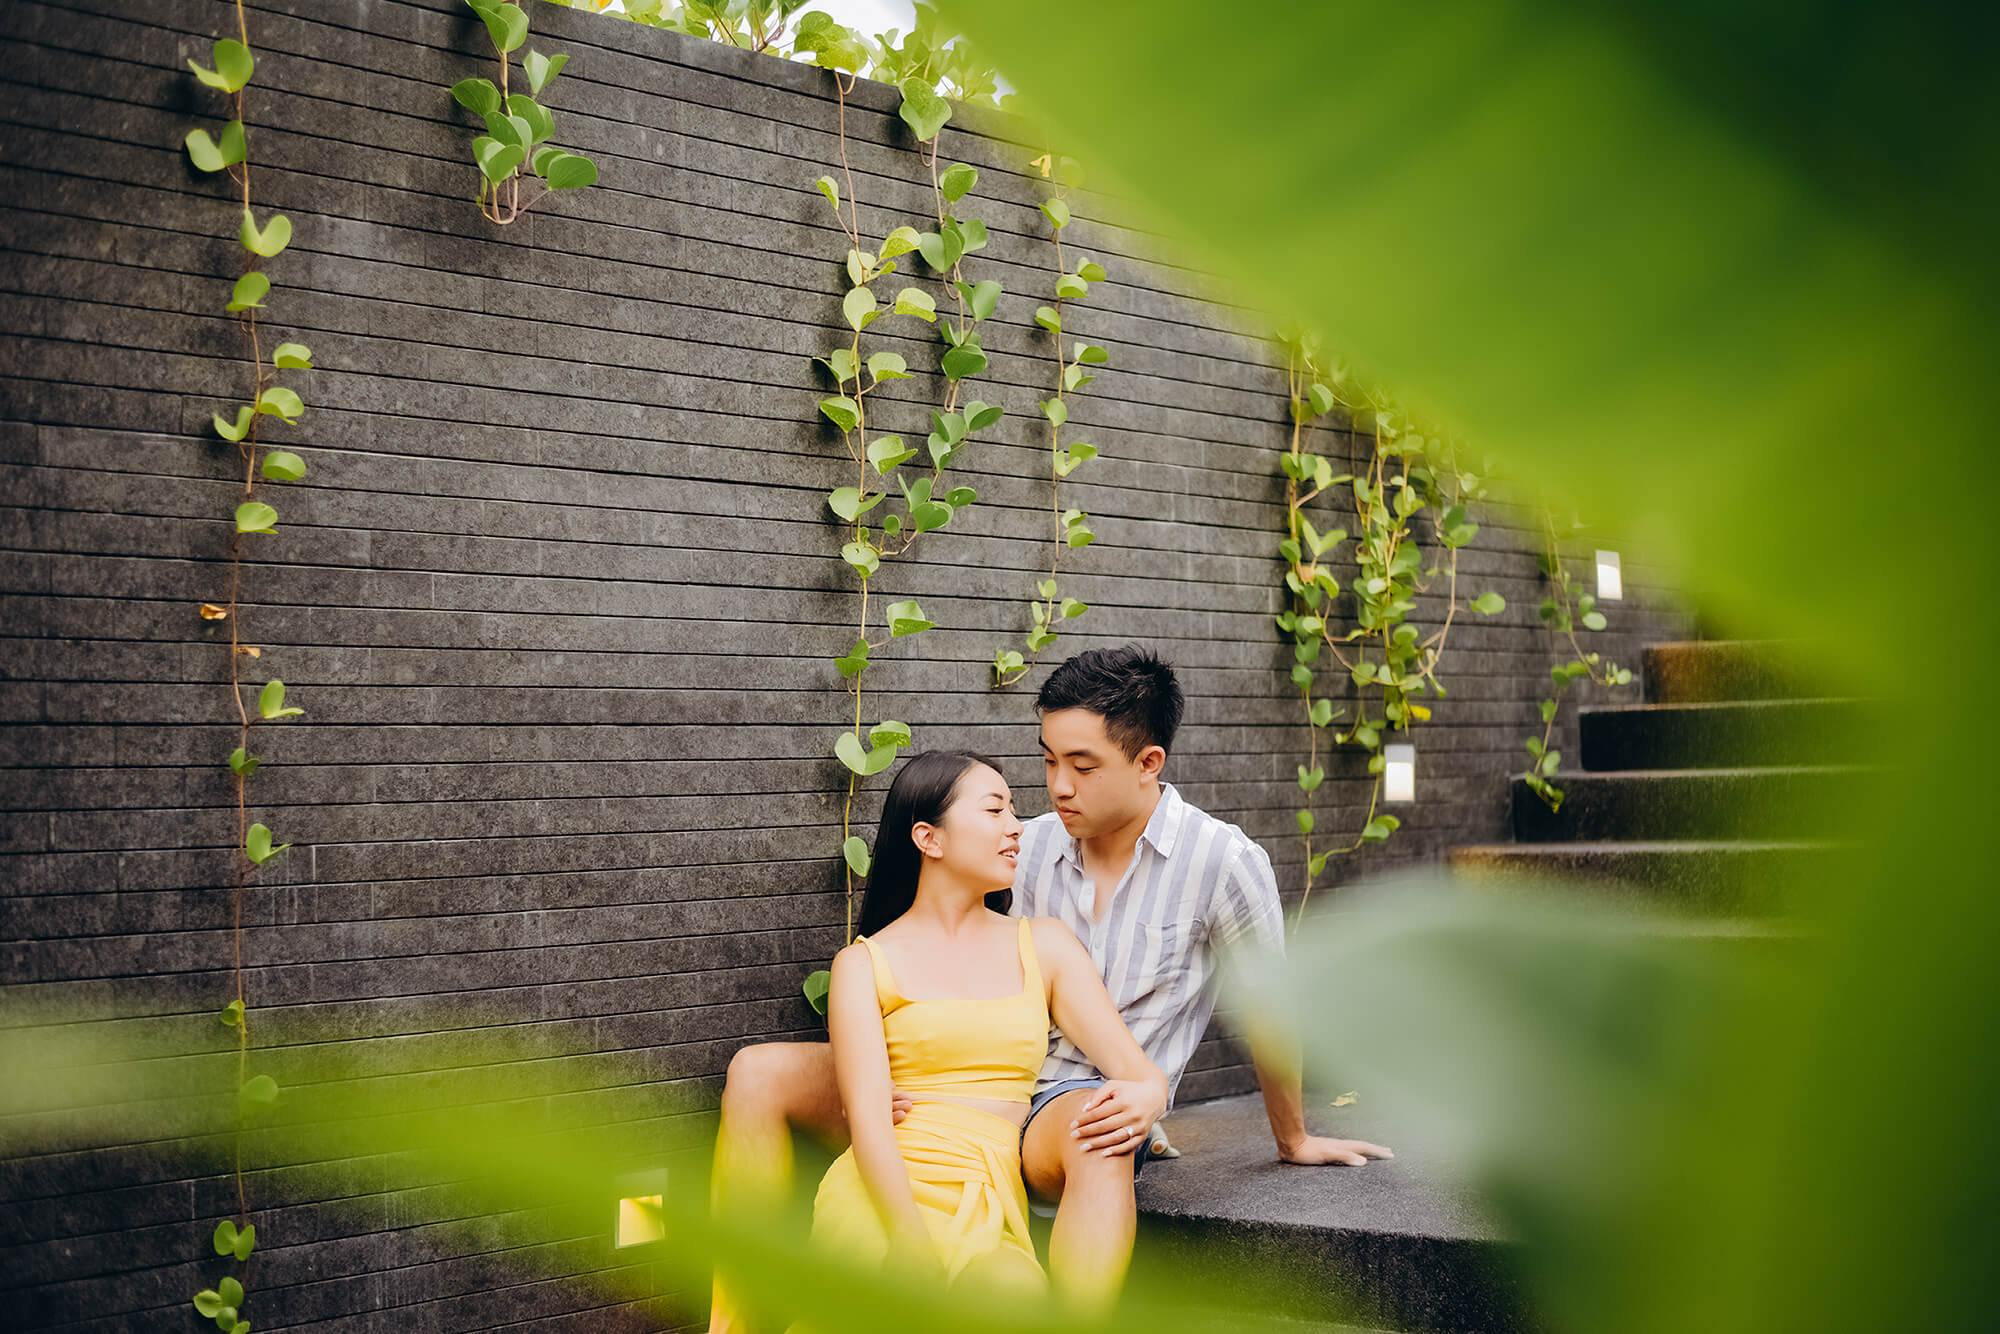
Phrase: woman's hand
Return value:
(1115, 1120)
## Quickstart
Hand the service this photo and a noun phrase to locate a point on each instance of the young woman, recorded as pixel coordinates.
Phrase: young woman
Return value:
(948, 1001)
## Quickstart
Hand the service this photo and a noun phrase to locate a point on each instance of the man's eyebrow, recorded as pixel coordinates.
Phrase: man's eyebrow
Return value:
(1085, 751)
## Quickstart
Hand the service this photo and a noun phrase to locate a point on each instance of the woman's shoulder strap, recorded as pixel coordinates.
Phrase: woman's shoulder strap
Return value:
(1031, 964)
(885, 981)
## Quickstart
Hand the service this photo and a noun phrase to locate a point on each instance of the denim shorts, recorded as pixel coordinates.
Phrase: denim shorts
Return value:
(1049, 1094)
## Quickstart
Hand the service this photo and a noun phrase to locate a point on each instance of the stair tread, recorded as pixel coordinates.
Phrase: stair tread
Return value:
(1719, 771)
(1229, 1170)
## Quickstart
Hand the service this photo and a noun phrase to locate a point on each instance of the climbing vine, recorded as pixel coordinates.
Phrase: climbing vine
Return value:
(227, 153)
(1406, 473)
(1072, 526)
(515, 148)
(1562, 611)
(928, 65)
(927, 503)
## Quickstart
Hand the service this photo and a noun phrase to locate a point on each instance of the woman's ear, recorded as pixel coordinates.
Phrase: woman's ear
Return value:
(928, 839)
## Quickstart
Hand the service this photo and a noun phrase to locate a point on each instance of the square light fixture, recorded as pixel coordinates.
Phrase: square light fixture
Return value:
(1610, 582)
(641, 1209)
(1399, 773)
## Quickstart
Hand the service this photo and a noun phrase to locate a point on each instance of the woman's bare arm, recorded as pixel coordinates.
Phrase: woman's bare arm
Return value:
(1135, 1095)
(861, 1069)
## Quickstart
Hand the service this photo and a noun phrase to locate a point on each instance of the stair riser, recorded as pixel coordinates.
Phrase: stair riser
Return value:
(1382, 1280)
(1806, 732)
(1761, 806)
(1728, 670)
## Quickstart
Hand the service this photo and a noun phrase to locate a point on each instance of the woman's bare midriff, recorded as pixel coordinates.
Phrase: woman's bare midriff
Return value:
(1016, 1112)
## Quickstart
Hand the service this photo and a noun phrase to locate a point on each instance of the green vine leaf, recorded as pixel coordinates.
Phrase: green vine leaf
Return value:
(216, 155)
(1091, 271)
(242, 763)
(233, 66)
(1594, 620)
(527, 111)
(817, 985)
(568, 171)
(957, 181)
(271, 701)
(231, 1016)
(260, 1092)
(1091, 355)
(863, 557)
(507, 24)
(1305, 821)
(967, 359)
(886, 451)
(1046, 317)
(907, 618)
(902, 241)
(542, 70)
(254, 516)
(1071, 608)
(887, 366)
(982, 297)
(1057, 213)
(843, 412)
(1379, 828)
(1489, 604)
(855, 852)
(847, 748)
(271, 240)
(859, 308)
(239, 430)
(228, 1240)
(1322, 712)
(248, 293)
(915, 301)
(829, 188)
(257, 845)
(847, 502)
(856, 660)
(209, 1303)
(292, 356)
(281, 403)
(283, 466)
(923, 110)
(1311, 778)
(497, 161)
(979, 416)
(478, 96)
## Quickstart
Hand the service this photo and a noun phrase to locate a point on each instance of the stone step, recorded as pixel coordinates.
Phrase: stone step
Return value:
(1748, 733)
(1400, 1244)
(1702, 875)
(1756, 803)
(1719, 670)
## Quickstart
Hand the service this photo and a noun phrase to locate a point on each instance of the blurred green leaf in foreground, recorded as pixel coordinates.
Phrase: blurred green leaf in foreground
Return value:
(1721, 276)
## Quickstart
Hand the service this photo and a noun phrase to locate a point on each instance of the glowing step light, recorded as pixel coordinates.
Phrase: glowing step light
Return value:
(641, 1209)
(1610, 582)
(1399, 773)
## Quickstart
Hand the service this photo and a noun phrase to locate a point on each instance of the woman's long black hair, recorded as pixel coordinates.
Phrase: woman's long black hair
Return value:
(920, 794)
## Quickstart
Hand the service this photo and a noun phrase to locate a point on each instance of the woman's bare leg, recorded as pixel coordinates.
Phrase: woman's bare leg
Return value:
(770, 1089)
(1090, 1246)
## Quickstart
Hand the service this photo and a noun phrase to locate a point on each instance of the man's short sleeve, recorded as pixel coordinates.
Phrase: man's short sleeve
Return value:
(1245, 909)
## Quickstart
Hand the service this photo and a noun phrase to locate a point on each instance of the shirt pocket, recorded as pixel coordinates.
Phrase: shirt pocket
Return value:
(1164, 957)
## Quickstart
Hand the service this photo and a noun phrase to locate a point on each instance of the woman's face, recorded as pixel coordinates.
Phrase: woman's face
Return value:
(977, 838)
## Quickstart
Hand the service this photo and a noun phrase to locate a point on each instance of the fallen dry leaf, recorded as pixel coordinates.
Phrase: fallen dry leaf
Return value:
(1345, 1099)
(211, 612)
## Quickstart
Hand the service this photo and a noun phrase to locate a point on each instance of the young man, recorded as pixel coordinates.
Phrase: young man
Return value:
(1151, 886)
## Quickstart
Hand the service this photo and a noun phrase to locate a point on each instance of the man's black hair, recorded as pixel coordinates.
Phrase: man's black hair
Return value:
(1130, 688)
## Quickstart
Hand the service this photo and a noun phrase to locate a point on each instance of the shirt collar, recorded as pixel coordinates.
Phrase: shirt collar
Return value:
(1161, 831)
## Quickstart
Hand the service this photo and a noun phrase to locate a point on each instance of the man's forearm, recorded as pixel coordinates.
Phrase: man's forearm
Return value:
(1284, 1100)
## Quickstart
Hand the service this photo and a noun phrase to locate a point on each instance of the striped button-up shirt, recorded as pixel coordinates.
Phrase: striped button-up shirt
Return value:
(1195, 882)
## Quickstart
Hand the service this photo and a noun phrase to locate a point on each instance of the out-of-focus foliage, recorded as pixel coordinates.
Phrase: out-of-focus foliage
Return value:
(1717, 275)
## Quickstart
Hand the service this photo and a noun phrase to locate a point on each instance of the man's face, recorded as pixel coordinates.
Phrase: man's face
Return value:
(1094, 785)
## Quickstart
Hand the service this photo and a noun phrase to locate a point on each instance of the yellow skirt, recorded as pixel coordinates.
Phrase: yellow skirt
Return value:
(965, 1170)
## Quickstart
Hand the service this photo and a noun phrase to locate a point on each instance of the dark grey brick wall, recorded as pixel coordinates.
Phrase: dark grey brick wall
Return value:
(559, 595)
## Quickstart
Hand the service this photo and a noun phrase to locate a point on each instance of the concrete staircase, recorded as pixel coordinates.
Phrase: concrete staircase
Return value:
(1723, 793)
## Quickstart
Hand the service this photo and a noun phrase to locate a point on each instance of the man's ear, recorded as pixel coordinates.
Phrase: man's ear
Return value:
(1152, 759)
